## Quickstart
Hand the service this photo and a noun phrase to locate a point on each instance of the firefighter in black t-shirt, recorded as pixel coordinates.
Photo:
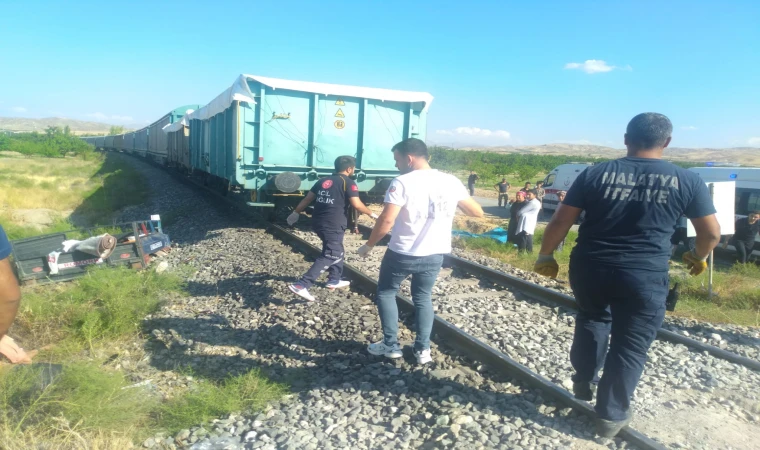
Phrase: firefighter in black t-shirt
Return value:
(619, 266)
(333, 195)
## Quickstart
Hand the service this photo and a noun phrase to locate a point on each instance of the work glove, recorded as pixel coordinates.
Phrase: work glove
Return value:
(546, 265)
(364, 250)
(694, 263)
(374, 216)
(293, 218)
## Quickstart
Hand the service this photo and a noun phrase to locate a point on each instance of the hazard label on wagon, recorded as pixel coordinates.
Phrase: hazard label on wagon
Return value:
(339, 124)
(340, 102)
(340, 113)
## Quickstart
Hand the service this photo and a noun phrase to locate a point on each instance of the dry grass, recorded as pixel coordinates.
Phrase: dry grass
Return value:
(38, 195)
(60, 184)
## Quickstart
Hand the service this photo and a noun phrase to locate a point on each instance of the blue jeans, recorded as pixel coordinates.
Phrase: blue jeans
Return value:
(393, 271)
(626, 305)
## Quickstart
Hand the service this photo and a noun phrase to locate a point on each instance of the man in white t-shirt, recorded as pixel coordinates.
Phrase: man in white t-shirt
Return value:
(527, 219)
(419, 205)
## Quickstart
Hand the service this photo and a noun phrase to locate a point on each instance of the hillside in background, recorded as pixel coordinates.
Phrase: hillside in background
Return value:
(745, 156)
(39, 125)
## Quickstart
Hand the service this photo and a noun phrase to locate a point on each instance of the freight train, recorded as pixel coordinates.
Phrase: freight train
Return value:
(272, 139)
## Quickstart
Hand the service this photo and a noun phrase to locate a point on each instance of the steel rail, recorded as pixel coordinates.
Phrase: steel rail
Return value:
(552, 297)
(447, 334)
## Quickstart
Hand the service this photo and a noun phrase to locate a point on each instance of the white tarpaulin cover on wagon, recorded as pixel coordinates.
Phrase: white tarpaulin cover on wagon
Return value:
(239, 91)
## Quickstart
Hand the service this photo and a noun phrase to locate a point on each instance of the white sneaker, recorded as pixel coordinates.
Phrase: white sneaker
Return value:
(380, 349)
(423, 357)
(339, 284)
(302, 292)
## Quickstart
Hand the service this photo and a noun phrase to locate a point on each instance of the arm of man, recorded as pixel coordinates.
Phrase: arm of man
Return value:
(708, 235)
(557, 229)
(359, 206)
(470, 207)
(395, 199)
(305, 202)
(10, 296)
(383, 224)
(531, 207)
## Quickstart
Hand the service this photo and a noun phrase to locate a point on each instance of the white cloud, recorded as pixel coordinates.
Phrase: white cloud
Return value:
(18, 109)
(475, 132)
(689, 128)
(592, 66)
(123, 118)
(754, 141)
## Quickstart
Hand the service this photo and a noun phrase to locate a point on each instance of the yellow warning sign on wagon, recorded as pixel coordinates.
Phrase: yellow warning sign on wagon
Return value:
(340, 102)
(340, 113)
(339, 124)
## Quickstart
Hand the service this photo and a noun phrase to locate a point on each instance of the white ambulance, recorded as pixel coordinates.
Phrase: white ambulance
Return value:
(560, 179)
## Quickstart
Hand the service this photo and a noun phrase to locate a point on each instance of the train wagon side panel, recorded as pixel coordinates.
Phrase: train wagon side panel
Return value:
(129, 142)
(118, 142)
(141, 141)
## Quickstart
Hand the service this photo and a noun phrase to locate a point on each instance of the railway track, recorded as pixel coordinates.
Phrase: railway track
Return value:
(484, 349)
(553, 297)
(445, 333)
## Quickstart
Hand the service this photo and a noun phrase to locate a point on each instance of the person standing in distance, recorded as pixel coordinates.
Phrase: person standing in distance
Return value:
(619, 266)
(526, 188)
(743, 239)
(333, 196)
(471, 182)
(503, 189)
(527, 218)
(419, 205)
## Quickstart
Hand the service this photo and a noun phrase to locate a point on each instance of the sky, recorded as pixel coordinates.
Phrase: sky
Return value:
(502, 72)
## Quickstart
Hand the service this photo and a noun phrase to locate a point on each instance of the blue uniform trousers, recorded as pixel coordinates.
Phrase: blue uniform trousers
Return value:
(625, 307)
(330, 260)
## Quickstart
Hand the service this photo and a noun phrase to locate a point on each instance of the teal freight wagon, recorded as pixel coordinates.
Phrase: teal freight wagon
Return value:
(274, 138)
(156, 134)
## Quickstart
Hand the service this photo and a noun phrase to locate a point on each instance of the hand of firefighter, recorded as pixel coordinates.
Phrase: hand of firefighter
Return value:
(694, 263)
(293, 218)
(364, 250)
(547, 266)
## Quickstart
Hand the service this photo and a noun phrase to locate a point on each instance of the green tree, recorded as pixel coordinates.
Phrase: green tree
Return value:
(116, 129)
(67, 130)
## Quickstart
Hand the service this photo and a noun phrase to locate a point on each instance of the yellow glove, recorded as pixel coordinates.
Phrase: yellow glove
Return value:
(547, 266)
(694, 263)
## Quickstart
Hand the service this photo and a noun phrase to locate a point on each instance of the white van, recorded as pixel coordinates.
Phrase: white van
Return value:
(747, 181)
(560, 179)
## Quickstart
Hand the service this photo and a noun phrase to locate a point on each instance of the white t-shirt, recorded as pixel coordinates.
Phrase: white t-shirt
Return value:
(428, 200)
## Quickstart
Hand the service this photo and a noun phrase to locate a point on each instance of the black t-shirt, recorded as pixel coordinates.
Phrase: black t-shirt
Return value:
(632, 206)
(331, 204)
(472, 179)
(744, 232)
(503, 187)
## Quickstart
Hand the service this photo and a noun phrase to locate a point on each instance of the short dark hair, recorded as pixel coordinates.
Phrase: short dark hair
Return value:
(534, 192)
(528, 182)
(540, 181)
(343, 163)
(648, 130)
(412, 146)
